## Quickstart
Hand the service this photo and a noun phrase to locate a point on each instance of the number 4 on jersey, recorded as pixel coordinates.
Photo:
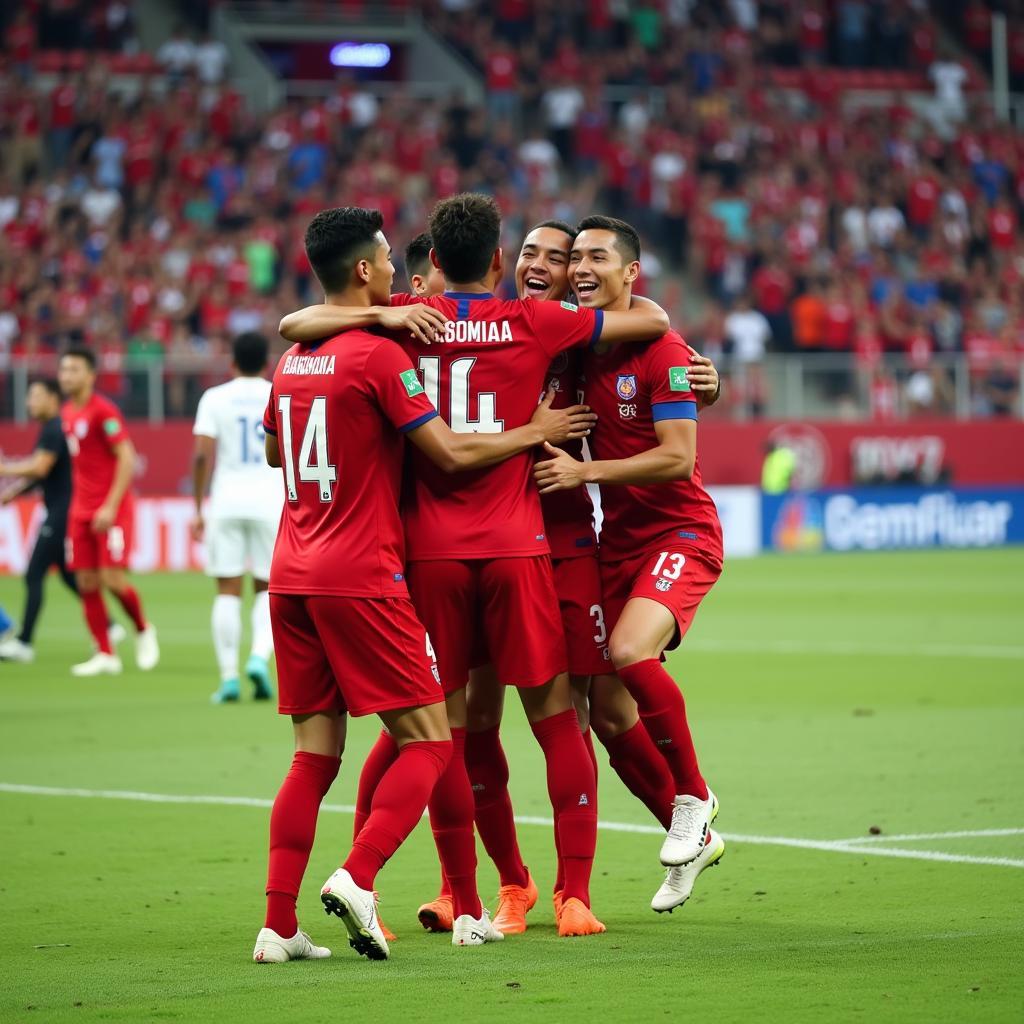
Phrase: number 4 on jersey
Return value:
(314, 466)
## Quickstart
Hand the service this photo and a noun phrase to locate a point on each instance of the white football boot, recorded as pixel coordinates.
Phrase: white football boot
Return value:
(272, 949)
(472, 931)
(691, 819)
(357, 909)
(12, 649)
(678, 884)
(147, 650)
(117, 633)
(99, 664)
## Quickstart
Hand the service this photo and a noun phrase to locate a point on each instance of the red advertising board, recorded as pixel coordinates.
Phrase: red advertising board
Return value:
(973, 452)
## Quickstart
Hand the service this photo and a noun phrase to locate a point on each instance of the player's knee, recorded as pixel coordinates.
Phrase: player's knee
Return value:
(626, 650)
(482, 717)
(88, 582)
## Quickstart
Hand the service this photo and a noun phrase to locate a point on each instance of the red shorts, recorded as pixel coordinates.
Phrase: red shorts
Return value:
(508, 602)
(357, 654)
(677, 578)
(578, 585)
(85, 549)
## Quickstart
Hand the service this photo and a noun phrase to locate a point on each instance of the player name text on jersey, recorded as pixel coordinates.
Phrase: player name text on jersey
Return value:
(308, 366)
(480, 331)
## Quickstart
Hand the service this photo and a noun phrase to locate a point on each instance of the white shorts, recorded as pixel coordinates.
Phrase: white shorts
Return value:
(237, 546)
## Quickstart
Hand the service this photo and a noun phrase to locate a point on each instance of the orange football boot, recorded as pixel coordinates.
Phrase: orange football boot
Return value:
(556, 902)
(577, 918)
(514, 903)
(389, 935)
(438, 915)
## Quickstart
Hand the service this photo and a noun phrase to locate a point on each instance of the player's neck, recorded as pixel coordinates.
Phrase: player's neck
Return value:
(82, 399)
(621, 301)
(473, 287)
(349, 297)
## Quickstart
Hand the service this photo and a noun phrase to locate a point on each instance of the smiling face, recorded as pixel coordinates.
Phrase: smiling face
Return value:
(542, 268)
(598, 272)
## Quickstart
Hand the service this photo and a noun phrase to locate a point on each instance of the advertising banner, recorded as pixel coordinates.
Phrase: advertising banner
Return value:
(893, 518)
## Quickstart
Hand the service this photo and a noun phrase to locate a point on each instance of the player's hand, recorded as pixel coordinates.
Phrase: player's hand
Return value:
(424, 322)
(703, 378)
(196, 527)
(561, 425)
(561, 473)
(104, 519)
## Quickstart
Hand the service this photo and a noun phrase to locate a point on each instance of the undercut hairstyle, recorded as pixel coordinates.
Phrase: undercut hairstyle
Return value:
(466, 230)
(417, 256)
(336, 240)
(558, 225)
(78, 352)
(627, 240)
(250, 352)
(48, 383)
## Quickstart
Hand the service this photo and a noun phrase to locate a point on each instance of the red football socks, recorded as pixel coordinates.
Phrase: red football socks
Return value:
(380, 758)
(451, 820)
(573, 792)
(488, 775)
(663, 712)
(97, 620)
(588, 742)
(635, 759)
(396, 807)
(292, 830)
(132, 604)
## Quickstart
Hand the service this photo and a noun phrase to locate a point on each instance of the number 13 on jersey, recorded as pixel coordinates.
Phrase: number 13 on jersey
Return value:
(314, 466)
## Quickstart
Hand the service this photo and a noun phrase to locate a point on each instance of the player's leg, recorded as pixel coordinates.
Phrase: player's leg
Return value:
(46, 552)
(488, 775)
(83, 554)
(225, 564)
(310, 695)
(226, 627)
(631, 751)
(260, 537)
(666, 591)
(115, 548)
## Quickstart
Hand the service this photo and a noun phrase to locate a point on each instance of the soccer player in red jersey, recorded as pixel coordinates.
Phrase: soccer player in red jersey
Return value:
(478, 554)
(346, 635)
(101, 520)
(661, 541)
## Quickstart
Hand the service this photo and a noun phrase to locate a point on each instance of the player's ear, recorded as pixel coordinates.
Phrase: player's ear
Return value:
(632, 271)
(417, 282)
(498, 262)
(434, 259)
(363, 271)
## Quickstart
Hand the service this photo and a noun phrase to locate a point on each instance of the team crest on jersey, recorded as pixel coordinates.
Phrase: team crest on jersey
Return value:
(662, 585)
(625, 386)
(81, 428)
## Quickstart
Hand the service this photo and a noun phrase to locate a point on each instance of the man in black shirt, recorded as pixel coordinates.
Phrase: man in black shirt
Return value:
(49, 467)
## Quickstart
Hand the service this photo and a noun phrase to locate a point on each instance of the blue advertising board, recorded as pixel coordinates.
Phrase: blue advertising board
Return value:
(893, 518)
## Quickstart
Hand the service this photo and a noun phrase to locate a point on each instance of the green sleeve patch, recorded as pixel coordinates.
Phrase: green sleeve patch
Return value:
(571, 306)
(677, 379)
(411, 382)
(111, 426)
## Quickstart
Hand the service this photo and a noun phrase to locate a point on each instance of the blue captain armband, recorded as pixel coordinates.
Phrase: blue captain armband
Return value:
(674, 411)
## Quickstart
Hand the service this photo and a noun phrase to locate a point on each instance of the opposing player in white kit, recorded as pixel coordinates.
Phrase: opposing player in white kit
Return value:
(244, 512)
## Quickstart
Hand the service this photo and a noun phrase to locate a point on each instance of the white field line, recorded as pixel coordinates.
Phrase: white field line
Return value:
(850, 846)
(840, 647)
(1005, 652)
(977, 833)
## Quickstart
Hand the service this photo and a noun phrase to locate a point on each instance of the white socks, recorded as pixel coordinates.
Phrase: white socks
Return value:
(226, 621)
(262, 635)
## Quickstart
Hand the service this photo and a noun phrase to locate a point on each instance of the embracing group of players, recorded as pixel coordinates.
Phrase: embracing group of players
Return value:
(420, 588)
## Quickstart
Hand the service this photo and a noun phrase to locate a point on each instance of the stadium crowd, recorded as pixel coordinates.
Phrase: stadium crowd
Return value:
(160, 224)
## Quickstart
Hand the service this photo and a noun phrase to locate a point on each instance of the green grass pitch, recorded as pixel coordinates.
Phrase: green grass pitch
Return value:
(829, 697)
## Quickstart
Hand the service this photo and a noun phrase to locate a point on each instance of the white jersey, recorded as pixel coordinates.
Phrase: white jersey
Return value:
(244, 486)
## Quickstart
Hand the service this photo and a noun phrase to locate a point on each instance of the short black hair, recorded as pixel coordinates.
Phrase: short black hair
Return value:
(417, 255)
(558, 225)
(466, 230)
(80, 352)
(250, 352)
(336, 240)
(627, 240)
(48, 383)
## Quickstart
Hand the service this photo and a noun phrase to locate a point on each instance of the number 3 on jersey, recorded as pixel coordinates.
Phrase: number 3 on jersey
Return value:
(314, 467)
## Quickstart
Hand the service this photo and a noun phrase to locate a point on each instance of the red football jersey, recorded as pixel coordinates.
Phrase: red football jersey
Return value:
(92, 430)
(568, 515)
(339, 410)
(485, 375)
(631, 389)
